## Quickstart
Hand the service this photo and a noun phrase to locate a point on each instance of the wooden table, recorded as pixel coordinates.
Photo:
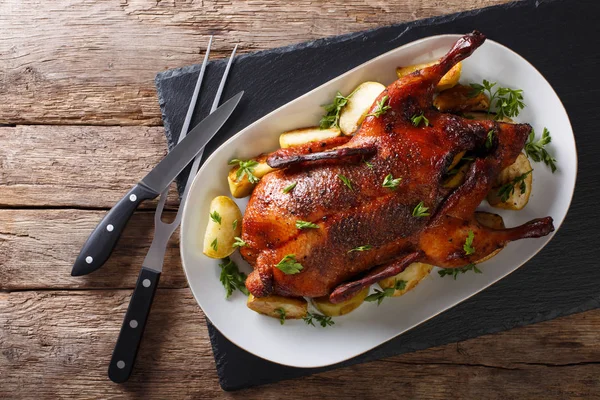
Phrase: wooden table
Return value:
(81, 123)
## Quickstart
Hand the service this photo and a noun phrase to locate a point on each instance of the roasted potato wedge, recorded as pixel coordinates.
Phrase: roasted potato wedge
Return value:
(413, 274)
(447, 81)
(294, 307)
(306, 135)
(220, 232)
(493, 221)
(515, 182)
(456, 160)
(484, 116)
(454, 180)
(242, 187)
(334, 310)
(358, 106)
(458, 99)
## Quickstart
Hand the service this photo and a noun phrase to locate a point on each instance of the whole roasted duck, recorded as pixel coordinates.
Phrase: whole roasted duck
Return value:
(367, 232)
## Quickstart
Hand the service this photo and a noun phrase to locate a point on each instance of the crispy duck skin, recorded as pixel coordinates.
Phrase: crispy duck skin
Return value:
(378, 217)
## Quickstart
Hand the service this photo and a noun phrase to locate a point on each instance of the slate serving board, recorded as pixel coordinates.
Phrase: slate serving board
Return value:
(562, 279)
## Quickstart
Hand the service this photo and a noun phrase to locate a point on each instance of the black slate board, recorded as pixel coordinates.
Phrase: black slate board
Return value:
(562, 279)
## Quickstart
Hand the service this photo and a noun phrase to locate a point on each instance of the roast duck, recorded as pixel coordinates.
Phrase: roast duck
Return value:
(339, 188)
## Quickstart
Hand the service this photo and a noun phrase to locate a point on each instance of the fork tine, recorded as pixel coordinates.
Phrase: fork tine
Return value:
(194, 99)
(215, 103)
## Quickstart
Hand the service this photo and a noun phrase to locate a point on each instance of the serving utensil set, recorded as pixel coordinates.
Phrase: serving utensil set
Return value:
(103, 239)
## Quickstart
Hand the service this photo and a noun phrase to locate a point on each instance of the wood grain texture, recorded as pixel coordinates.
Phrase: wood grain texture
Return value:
(38, 248)
(93, 62)
(62, 341)
(76, 166)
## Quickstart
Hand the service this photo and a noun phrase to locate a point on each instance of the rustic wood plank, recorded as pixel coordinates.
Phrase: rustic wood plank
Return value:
(62, 341)
(38, 248)
(86, 62)
(76, 166)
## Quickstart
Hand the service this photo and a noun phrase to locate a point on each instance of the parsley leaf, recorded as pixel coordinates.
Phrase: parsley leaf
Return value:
(381, 109)
(379, 295)
(306, 225)
(331, 119)
(289, 188)
(288, 265)
(368, 164)
(536, 151)
(231, 277)
(323, 320)
(238, 242)
(489, 142)
(215, 217)
(361, 248)
(455, 271)
(417, 119)
(508, 189)
(468, 246)
(245, 168)
(281, 313)
(390, 182)
(214, 244)
(508, 102)
(346, 181)
(234, 224)
(420, 210)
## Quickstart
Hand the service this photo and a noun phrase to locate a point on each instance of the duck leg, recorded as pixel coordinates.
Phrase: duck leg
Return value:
(347, 290)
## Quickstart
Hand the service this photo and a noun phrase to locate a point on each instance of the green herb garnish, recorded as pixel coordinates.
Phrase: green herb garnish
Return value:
(346, 181)
(509, 102)
(214, 244)
(468, 246)
(390, 182)
(381, 109)
(508, 189)
(536, 151)
(420, 210)
(323, 320)
(288, 265)
(306, 225)
(489, 142)
(245, 168)
(368, 164)
(238, 242)
(379, 295)
(417, 119)
(232, 278)
(234, 224)
(288, 188)
(361, 248)
(455, 271)
(215, 217)
(332, 117)
(281, 313)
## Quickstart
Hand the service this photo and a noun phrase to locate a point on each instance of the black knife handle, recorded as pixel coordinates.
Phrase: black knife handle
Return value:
(103, 239)
(128, 343)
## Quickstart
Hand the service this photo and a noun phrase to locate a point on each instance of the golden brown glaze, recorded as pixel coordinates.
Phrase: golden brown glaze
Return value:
(370, 214)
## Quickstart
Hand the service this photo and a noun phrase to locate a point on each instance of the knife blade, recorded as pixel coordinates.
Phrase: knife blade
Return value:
(102, 240)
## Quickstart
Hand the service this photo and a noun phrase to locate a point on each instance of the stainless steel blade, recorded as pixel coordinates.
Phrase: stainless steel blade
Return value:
(167, 170)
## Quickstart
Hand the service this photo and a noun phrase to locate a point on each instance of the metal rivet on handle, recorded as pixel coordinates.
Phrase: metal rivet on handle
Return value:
(133, 323)
(121, 364)
(146, 282)
(133, 197)
(109, 227)
(89, 259)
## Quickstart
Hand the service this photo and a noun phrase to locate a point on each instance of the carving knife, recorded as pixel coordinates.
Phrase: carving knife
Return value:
(101, 242)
